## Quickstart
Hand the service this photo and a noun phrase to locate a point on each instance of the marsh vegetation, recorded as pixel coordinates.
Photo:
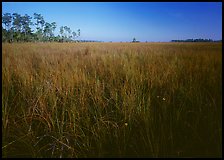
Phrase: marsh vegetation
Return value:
(112, 100)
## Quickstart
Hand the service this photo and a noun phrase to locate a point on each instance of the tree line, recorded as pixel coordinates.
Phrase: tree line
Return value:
(18, 28)
(196, 40)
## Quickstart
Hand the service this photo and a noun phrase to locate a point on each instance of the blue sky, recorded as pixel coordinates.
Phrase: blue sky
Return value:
(122, 21)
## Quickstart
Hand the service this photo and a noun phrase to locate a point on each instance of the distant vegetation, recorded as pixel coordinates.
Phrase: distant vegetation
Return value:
(135, 41)
(89, 41)
(196, 40)
(17, 28)
(111, 99)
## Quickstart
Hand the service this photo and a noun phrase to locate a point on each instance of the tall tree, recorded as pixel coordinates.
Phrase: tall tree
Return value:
(17, 26)
(53, 27)
(79, 32)
(17, 23)
(40, 22)
(62, 33)
(26, 29)
(67, 32)
(134, 39)
(47, 31)
(75, 35)
(6, 20)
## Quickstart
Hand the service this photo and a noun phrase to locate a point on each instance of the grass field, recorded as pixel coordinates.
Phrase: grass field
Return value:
(112, 100)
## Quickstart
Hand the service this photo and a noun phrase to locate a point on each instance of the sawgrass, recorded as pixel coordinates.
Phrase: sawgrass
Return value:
(111, 100)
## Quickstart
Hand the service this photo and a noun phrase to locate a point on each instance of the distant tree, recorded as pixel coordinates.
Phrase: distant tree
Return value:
(17, 22)
(26, 29)
(40, 22)
(17, 26)
(54, 26)
(134, 39)
(67, 32)
(61, 30)
(79, 32)
(48, 31)
(7, 20)
(75, 35)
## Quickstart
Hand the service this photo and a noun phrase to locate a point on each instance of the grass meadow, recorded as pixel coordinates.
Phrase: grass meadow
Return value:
(111, 100)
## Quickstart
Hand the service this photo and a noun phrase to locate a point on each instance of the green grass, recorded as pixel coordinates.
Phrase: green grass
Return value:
(112, 100)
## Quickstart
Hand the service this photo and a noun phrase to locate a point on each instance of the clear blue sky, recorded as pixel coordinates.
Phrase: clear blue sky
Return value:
(122, 21)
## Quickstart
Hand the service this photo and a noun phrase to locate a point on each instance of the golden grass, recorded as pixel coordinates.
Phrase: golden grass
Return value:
(111, 99)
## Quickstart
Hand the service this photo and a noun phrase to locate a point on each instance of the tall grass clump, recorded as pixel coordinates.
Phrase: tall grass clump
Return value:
(111, 100)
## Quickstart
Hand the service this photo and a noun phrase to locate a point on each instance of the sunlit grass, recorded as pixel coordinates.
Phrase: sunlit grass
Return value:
(111, 100)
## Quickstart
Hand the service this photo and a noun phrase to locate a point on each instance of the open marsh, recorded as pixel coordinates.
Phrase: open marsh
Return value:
(112, 100)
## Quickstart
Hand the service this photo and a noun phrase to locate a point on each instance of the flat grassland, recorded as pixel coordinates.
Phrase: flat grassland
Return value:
(112, 100)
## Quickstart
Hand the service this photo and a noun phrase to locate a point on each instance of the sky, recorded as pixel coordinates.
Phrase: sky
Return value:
(122, 21)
